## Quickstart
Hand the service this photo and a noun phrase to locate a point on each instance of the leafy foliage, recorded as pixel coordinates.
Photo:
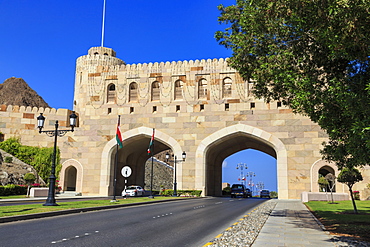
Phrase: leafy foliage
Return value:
(273, 194)
(30, 178)
(8, 159)
(314, 57)
(350, 176)
(39, 158)
(12, 189)
(169, 192)
(323, 182)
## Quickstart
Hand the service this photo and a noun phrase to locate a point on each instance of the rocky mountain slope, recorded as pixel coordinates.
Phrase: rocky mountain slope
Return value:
(15, 91)
(13, 172)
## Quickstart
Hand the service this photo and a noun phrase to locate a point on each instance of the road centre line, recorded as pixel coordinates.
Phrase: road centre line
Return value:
(75, 237)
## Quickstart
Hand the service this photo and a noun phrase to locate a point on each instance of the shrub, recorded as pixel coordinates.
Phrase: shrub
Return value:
(226, 191)
(189, 193)
(30, 178)
(12, 189)
(8, 159)
(166, 193)
(273, 194)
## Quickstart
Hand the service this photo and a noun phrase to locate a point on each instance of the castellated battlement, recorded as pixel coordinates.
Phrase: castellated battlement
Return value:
(104, 81)
(21, 122)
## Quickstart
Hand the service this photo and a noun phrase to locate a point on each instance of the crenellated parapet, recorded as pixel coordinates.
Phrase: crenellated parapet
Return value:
(20, 122)
(105, 81)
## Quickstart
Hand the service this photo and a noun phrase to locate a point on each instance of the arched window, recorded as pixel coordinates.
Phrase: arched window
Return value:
(226, 88)
(202, 89)
(155, 91)
(178, 89)
(133, 92)
(111, 93)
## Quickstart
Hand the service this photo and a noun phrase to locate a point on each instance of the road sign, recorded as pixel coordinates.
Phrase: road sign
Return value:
(126, 171)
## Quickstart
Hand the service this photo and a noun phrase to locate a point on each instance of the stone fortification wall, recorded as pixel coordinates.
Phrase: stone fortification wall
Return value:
(21, 122)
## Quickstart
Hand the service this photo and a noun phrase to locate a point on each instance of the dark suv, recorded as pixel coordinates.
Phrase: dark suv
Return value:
(239, 190)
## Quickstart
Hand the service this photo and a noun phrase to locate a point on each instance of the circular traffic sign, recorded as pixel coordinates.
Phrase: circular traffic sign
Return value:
(126, 171)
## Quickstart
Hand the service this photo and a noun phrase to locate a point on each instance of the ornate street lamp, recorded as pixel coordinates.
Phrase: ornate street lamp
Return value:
(242, 166)
(251, 175)
(175, 160)
(50, 201)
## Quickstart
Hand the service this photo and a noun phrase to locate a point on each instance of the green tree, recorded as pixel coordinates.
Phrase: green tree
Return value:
(42, 162)
(350, 176)
(313, 56)
(323, 182)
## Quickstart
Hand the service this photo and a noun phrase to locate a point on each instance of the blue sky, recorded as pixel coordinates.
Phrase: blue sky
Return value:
(42, 39)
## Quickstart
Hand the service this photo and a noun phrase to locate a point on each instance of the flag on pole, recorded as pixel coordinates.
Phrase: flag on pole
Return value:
(151, 144)
(118, 134)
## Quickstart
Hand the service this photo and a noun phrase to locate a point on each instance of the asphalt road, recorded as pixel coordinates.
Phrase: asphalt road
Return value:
(176, 223)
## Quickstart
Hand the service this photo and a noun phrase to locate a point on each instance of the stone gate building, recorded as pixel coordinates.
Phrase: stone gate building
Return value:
(201, 107)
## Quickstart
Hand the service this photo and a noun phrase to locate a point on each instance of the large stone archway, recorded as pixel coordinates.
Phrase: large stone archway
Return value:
(133, 154)
(215, 148)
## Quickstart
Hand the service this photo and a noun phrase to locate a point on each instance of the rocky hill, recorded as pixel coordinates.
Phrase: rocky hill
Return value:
(15, 91)
(13, 172)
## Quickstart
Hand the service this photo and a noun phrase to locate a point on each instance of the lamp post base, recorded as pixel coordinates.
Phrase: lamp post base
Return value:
(50, 204)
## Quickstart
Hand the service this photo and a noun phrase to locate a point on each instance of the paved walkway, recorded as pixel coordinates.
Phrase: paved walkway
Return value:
(291, 224)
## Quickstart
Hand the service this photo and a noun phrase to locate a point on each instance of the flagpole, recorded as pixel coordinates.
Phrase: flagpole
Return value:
(151, 173)
(115, 169)
(102, 28)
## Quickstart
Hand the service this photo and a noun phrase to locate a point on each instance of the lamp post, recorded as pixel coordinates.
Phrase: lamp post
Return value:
(175, 160)
(251, 175)
(260, 185)
(50, 201)
(242, 166)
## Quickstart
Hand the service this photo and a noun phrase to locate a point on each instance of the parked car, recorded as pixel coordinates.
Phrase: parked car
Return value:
(133, 190)
(265, 193)
(239, 190)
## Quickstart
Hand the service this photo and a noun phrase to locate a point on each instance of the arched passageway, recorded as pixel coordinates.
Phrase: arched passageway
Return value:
(328, 173)
(253, 168)
(71, 178)
(225, 142)
(133, 154)
(71, 175)
(220, 150)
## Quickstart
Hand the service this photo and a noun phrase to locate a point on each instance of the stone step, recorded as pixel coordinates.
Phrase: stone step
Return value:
(69, 194)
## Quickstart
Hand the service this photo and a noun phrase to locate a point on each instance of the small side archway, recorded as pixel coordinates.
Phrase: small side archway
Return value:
(323, 167)
(71, 175)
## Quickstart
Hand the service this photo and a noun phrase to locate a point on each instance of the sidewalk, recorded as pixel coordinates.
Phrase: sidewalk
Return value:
(292, 224)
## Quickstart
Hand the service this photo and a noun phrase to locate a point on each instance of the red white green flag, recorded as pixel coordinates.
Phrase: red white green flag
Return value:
(151, 144)
(118, 134)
